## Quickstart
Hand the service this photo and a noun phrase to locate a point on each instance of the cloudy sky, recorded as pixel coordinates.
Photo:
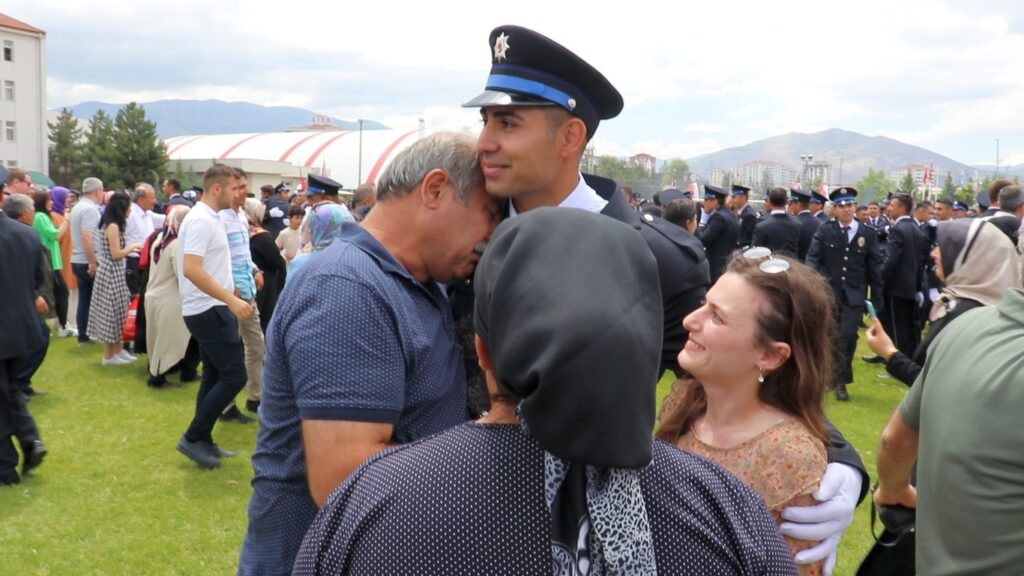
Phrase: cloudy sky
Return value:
(941, 74)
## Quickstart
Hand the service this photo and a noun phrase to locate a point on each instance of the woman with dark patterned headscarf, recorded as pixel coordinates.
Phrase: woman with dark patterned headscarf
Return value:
(562, 475)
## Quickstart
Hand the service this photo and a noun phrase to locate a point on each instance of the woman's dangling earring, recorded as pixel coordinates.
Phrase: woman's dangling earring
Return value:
(760, 377)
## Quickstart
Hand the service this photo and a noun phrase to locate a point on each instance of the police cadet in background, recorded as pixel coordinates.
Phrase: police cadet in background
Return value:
(847, 253)
(817, 206)
(722, 231)
(276, 217)
(959, 210)
(799, 205)
(903, 275)
(746, 214)
(541, 106)
(778, 230)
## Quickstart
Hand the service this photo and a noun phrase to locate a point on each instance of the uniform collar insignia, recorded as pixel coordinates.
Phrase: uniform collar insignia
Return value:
(501, 46)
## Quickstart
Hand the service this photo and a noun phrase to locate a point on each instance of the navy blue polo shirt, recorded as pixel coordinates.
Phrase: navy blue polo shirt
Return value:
(354, 337)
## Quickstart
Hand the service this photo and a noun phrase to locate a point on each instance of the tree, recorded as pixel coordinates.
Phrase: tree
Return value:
(99, 156)
(141, 155)
(65, 150)
(875, 186)
(625, 174)
(947, 186)
(907, 182)
(726, 180)
(767, 181)
(966, 193)
(675, 173)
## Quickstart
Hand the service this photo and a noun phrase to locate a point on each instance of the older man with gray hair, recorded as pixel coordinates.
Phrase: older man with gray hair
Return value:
(395, 373)
(141, 223)
(85, 220)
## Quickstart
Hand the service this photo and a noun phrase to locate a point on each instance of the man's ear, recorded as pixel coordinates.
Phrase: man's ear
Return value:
(573, 137)
(432, 188)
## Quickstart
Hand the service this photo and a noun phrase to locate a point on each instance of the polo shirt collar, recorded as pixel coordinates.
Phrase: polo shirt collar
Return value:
(356, 235)
(1012, 305)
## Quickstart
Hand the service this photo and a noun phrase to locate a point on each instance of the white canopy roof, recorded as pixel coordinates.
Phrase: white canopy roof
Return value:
(333, 153)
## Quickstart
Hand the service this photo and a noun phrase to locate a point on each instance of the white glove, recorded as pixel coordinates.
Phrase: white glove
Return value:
(919, 298)
(825, 522)
(276, 212)
(933, 294)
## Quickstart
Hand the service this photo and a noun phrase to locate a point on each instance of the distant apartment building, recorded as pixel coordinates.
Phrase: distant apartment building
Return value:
(923, 175)
(648, 162)
(23, 133)
(761, 174)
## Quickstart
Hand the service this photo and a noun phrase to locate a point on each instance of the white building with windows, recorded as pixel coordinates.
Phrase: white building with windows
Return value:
(23, 132)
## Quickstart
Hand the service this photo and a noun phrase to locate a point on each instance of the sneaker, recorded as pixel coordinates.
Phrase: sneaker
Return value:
(200, 452)
(116, 360)
(222, 453)
(67, 332)
(127, 355)
(235, 415)
(86, 342)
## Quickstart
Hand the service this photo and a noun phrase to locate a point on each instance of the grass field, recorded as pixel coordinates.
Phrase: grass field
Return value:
(114, 497)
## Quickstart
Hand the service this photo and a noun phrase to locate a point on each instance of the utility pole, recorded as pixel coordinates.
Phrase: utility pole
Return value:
(360, 152)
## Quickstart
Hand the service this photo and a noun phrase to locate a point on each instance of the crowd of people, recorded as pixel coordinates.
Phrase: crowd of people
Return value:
(487, 404)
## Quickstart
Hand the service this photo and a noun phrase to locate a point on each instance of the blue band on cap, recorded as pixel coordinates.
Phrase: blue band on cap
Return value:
(314, 190)
(816, 200)
(538, 89)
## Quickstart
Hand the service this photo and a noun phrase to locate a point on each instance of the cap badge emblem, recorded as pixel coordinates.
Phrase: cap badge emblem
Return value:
(501, 46)
(572, 103)
(860, 242)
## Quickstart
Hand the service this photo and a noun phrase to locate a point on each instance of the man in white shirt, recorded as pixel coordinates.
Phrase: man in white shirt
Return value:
(85, 221)
(212, 311)
(139, 226)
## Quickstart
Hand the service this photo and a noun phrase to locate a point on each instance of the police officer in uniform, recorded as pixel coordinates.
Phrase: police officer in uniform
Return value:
(746, 214)
(847, 253)
(720, 233)
(778, 231)
(536, 86)
(799, 202)
(817, 206)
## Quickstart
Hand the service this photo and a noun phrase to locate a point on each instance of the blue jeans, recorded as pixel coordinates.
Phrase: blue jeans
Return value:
(84, 299)
(216, 331)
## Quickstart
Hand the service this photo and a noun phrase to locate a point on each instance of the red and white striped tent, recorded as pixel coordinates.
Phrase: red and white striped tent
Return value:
(334, 153)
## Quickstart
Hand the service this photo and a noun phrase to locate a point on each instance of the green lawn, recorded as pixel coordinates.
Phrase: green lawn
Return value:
(114, 497)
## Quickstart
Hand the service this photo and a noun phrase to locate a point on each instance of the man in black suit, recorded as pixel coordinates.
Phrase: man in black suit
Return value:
(746, 214)
(172, 189)
(847, 253)
(721, 232)
(20, 277)
(903, 274)
(1000, 216)
(799, 205)
(778, 231)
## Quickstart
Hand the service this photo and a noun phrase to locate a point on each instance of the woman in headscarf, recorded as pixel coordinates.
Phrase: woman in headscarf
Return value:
(167, 338)
(58, 209)
(267, 258)
(324, 227)
(976, 264)
(562, 475)
(752, 397)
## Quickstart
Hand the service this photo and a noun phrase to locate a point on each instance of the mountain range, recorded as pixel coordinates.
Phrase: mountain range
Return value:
(184, 117)
(851, 153)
